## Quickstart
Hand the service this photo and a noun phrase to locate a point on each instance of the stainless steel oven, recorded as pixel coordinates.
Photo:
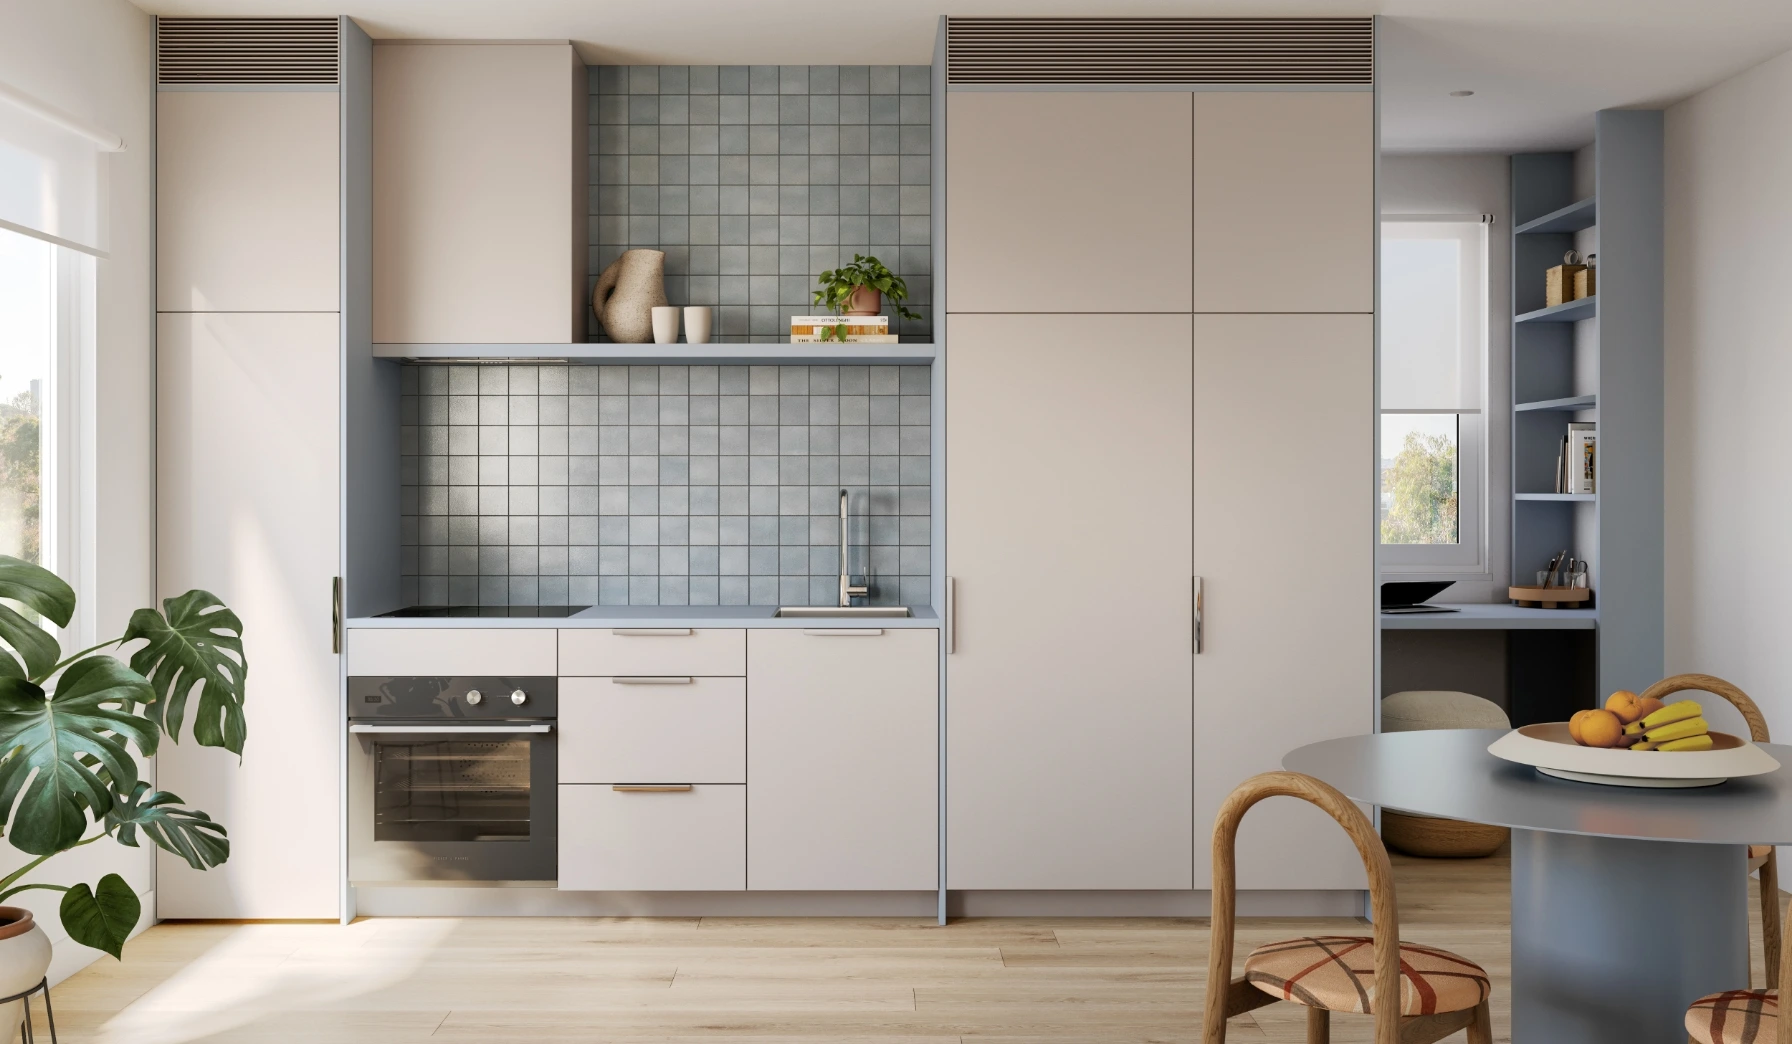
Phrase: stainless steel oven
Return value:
(452, 779)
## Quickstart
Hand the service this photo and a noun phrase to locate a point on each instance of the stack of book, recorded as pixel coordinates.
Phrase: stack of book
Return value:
(1577, 466)
(847, 329)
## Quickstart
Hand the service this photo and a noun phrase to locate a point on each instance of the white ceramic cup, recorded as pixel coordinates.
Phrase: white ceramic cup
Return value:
(665, 324)
(696, 324)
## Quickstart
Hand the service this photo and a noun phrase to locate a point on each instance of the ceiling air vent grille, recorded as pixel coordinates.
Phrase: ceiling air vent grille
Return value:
(1159, 50)
(246, 50)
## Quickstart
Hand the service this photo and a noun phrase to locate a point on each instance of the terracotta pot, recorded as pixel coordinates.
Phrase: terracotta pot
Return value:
(864, 301)
(24, 958)
(626, 294)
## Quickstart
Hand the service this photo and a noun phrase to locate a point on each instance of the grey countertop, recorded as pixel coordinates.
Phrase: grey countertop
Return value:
(1496, 616)
(1448, 772)
(657, 616)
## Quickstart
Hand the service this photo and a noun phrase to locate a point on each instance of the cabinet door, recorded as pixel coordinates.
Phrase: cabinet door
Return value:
(248, 508)
(1067, 202)
(247, 189)
(652, 841)
(843, 759)
(1068, 541)
(1284, 536)
(1284, 202)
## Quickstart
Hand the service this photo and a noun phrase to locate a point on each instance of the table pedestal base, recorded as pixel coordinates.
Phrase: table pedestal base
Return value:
(1612, 938)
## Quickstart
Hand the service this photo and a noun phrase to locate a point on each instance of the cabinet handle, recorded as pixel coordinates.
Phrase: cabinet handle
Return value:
(652, 632)
(1200, 596)
(651, 788)
(336, 614)
(844, 632)
(653, 680)
(951, 615)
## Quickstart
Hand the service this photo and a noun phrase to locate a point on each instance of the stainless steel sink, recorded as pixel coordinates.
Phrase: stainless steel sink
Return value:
(855, 611)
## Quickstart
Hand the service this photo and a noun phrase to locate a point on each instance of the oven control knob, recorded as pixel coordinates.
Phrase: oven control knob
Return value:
(474, 697)
(519, 697)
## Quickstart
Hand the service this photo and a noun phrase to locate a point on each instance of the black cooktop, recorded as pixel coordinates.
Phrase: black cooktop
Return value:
(496, 611)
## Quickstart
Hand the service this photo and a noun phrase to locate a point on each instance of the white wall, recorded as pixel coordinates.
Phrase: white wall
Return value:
(1477, 183)
(91, 58)
(1729, 382)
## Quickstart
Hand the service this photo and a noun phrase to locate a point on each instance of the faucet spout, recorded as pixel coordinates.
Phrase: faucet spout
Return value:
(847, 590)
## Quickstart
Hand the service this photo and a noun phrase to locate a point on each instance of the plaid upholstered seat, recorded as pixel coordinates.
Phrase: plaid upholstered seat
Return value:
(1735, 1017)
(1337, 973)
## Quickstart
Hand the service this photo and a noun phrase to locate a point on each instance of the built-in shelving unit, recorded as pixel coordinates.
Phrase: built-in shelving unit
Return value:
(1566, 312)
(682, 354)
(1573, 403)
(1571, 218)
(1558, 498)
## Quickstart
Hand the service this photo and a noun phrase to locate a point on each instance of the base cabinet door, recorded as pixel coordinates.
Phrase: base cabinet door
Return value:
(1068, 701)
(633, 838)
(842, 759)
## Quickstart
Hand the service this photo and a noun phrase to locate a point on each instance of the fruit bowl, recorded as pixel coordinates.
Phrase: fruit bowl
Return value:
(1549, 749)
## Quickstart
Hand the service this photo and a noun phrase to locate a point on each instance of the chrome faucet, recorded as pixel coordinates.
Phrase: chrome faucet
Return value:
(847, 590)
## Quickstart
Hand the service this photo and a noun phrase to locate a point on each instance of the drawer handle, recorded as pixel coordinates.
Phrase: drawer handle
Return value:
(652, 632)
(844, 632)
(651, 788)
(653, 681)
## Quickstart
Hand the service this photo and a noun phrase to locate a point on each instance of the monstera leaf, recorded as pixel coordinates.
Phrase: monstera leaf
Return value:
(46, 737)
(199, 642)
(102, 919)
(188, 833)
(44, 593)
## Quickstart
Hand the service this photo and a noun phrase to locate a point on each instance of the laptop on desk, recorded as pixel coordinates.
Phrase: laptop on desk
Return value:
(1400, 597)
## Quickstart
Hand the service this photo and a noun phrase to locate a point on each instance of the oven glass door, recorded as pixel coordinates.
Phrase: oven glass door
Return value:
(451, 789)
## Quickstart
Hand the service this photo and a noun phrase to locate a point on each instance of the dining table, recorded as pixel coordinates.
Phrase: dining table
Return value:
(1628, 903)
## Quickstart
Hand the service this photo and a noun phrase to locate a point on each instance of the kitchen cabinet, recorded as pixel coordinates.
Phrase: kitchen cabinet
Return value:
(654, 650)
(1068, 544)
(1091, 187)
(1290, 615)
(480, 193)
(842, 765)
(1284, 201)
(449, 651)
(247, 193)
(691, 840)
(653, 730)
(248, 507)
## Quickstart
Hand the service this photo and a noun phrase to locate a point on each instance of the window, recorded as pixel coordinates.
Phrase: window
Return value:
(1433, 365)
(27, 329)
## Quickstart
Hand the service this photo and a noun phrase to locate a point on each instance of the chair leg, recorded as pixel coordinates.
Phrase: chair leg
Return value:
(1770, 917)
(1319, 1026)
(1480, 1031)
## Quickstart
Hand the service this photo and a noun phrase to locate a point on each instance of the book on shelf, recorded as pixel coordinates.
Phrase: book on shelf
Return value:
(855, 324)
(1582, 453)
(851, 338)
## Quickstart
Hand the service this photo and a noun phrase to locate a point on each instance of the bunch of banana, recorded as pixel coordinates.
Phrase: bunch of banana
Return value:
(1677, 726)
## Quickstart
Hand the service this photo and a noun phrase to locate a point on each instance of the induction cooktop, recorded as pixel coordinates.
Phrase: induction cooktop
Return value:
(495, 611)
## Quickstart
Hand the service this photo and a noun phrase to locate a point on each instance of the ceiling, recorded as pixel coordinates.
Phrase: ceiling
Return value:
(1539, 68)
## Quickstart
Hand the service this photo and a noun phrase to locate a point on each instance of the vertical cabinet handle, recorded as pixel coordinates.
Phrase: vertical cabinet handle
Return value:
(1199, 594)
(336, 614)
(951, 615)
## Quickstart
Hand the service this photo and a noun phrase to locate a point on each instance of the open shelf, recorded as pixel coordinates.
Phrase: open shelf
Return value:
(1571, 218)
(666, 354)
(1569, 405)
(1563, 498)
(1566, 312)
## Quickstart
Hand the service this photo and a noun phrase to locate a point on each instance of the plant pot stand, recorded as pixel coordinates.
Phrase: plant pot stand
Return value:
(27, 1035)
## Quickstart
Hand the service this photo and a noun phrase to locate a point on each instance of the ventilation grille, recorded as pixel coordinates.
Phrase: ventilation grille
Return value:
(246, 50)
(1159, 50)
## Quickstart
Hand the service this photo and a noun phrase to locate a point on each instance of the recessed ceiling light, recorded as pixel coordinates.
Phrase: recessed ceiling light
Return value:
(1462, 94)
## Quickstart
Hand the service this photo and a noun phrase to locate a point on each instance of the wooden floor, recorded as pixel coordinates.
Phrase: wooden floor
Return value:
(396, 981)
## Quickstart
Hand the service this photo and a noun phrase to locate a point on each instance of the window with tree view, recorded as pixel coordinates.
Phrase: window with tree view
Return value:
(27, 332)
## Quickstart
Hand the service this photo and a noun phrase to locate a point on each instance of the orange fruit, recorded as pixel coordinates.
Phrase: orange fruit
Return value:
(1574, 726)
(1601, 728)
(1625, 705)
(1646, 706)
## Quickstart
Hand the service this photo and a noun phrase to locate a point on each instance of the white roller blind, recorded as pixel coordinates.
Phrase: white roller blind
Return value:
(1433, 308)
(52, 173)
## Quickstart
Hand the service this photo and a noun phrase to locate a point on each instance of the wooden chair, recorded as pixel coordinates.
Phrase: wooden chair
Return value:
(1438, 992)
(1760, 857)
(1745, 1016)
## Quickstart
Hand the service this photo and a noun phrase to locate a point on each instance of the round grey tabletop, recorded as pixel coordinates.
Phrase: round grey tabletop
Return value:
(1449, 773)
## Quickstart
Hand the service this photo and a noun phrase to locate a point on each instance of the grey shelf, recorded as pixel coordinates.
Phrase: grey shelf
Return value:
(1569, 405)
(1564, 498)
(1571, 218)
(1567, 312)
(1496, 616)
(667, 354)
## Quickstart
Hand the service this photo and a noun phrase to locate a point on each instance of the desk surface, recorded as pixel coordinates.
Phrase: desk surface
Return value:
(1497, 616)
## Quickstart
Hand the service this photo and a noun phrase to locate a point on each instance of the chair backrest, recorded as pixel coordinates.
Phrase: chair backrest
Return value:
(1386, 1002)
(1757, 725)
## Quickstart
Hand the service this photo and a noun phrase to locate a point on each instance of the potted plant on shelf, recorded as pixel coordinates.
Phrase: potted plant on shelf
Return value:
(67, 726)
(858, 289)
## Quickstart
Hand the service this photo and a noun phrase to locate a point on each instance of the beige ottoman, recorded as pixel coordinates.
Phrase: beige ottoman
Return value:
(1430, 836)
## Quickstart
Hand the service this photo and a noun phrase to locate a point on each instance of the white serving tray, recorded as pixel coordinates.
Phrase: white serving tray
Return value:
(1549, 749)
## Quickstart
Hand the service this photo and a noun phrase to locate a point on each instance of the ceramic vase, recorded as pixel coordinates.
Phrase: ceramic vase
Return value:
(665, 325)
(626, 294)
(24, 958)
(864, 301)
(697, 324)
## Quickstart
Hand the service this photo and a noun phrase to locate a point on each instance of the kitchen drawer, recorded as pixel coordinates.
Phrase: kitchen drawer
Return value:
(448, 651)
(653, 730)
(682, 841)
(699, 652)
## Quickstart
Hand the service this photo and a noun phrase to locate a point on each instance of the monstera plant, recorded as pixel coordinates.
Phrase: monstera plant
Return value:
(72, 729)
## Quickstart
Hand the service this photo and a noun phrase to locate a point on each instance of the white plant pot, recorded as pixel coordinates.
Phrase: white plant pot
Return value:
(24, 958)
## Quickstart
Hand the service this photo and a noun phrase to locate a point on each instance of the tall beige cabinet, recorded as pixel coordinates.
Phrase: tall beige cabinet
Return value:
(250, 328)
(1159, 382)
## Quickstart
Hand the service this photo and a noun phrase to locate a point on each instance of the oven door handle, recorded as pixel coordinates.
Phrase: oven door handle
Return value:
(465, 730)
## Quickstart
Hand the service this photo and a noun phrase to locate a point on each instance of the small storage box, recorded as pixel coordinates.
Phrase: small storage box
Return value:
(1585, 283)
(1559, 284)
